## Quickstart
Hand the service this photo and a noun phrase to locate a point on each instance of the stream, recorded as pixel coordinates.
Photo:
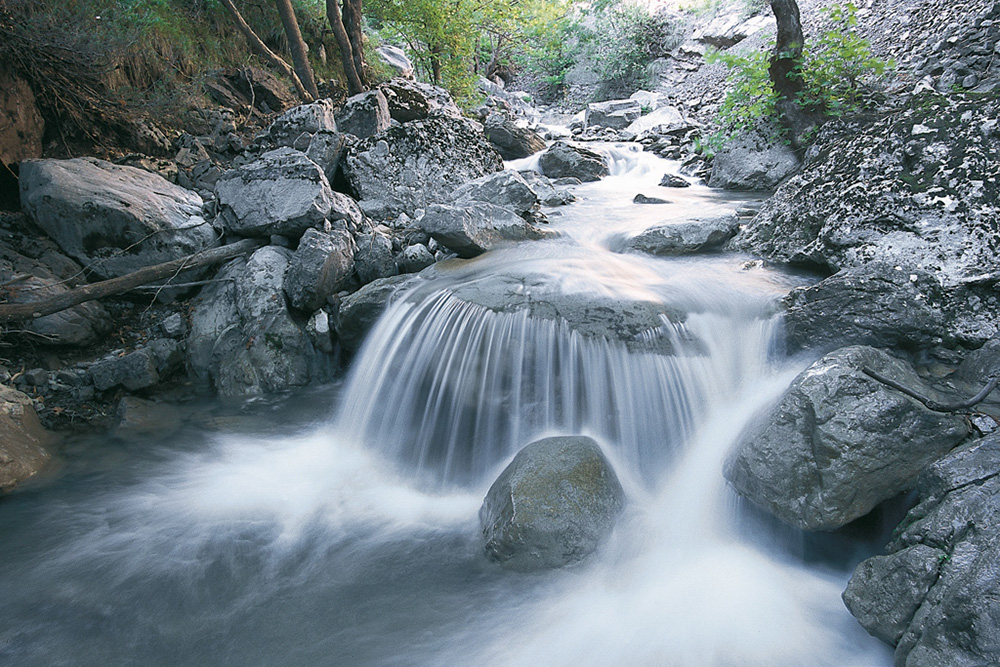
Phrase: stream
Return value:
(338, 525)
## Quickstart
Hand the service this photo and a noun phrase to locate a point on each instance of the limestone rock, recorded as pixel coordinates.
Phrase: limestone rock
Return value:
(616, 114)
(563, 160)
(552, 506)
(752, 162)
(359, 311)
(373, 258)
(839, 442)
(320, 266)
(686, 237)
(364, 115)
(513, 142)
(304, 119)
(471, 229)
(412, 100)
(505, 188)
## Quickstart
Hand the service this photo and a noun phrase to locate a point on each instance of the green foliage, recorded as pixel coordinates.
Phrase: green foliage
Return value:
(546, 42)
(836, 70)
(627, 37)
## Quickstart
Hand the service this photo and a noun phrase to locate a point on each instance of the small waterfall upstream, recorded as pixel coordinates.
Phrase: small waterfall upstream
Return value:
(353, 539)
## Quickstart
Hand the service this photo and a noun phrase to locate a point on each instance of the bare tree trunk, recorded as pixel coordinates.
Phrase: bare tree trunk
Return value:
(352, 23)
(785, 72)
(260, 48)
(354, 81)
(297, 46)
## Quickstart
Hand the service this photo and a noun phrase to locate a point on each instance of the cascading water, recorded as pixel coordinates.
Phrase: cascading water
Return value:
(355, 541)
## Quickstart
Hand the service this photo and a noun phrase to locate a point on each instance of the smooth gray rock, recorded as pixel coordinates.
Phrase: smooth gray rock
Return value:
(113, 219)
(552, 506)
(472, 229)
(364, 115)
(876, 304)
(513, 142)
(395, 57)
(320, 266)
(412, 100)
(686, 237)
(283, 192)
(243, 338)
(545, 190)
(933, 594)
(839, 442)
(414, 258)
(752, 162)
(674, 181)
(616, 114)
(359, 311)
(306, 119)
(505, 188)
(418, 163)
(663, 120)
(374, 258)
(563, 160)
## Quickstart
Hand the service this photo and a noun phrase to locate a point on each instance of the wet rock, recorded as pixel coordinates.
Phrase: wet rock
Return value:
(752, 162)
(23, 441)
(364, 115)
(472, 229)
(674, 181)
(513, 142)
(113, 219)
(933, 595)
(359, 311)
(552, 506)
(643, 199)
(418, 163)
(135, 370)
(686, 237)
(283, 192)
(545, 191)
(320, 266)
(505, 188)
(410, 100)
(304, 119)
(374, 258)
(840, 442)
(616, 114)
(564, 160)
(138, 417)
(243, 338)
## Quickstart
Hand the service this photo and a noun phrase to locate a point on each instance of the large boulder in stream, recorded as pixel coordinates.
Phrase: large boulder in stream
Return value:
(616, 114)
(418, 163)
(473, 228)
(933, 595)
(552, 506)
(359, 311)
(839, 442)
(563, 159)
(22, 439)
(510, 139)
(113, 219)
(690, 236)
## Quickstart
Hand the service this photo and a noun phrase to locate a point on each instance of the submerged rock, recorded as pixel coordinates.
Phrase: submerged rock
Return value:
(564, 160)
(552, 506)
(840, 442)
(933, 595)
(22, 439)
(113, 219)
(359, 311)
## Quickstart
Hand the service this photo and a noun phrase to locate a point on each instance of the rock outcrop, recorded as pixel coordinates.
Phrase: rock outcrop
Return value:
(840, 442)
(552, 506)
(22, 439)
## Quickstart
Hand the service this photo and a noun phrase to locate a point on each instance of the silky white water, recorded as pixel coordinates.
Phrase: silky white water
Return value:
(341, 528)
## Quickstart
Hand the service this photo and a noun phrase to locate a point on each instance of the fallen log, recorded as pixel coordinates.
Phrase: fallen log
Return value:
(22, 311)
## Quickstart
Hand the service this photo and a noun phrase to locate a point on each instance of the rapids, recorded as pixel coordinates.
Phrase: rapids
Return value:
(339, 526)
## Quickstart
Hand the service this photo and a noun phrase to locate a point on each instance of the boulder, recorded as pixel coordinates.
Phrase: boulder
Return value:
(616, 114)
(687, 237)
(327, 149)
(472, 229)
(395, 58)
(374, 258)
(243, 338)
(505, 188)
(674, 181)
(283, 192)
(320, 266)
(304, 119)
(876, 304)
(663, 120)
(545, 190)
(552, 506)
(840, 442)
(414, 258)
(411, 100)
(933, 594)
(752, 161)
(364, 115)
(512, 141)
(359, 311)
(113, 219)
(730, 29)
(135, 370)
(23, 441)
(563, 160)
(418, 163)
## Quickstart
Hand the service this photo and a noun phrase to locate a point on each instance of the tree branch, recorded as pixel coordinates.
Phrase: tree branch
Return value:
(931, 404)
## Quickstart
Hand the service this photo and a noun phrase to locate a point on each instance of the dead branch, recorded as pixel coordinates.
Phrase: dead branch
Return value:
(74, 297)
(931, 404)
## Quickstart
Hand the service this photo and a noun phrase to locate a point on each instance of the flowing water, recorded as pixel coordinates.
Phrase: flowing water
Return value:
(273, 533)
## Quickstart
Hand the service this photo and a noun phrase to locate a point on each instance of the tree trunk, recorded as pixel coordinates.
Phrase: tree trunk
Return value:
(297, 46)
(354, 81)
(122, 284)
(785, 72)
(260, 48)
(352, 23)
